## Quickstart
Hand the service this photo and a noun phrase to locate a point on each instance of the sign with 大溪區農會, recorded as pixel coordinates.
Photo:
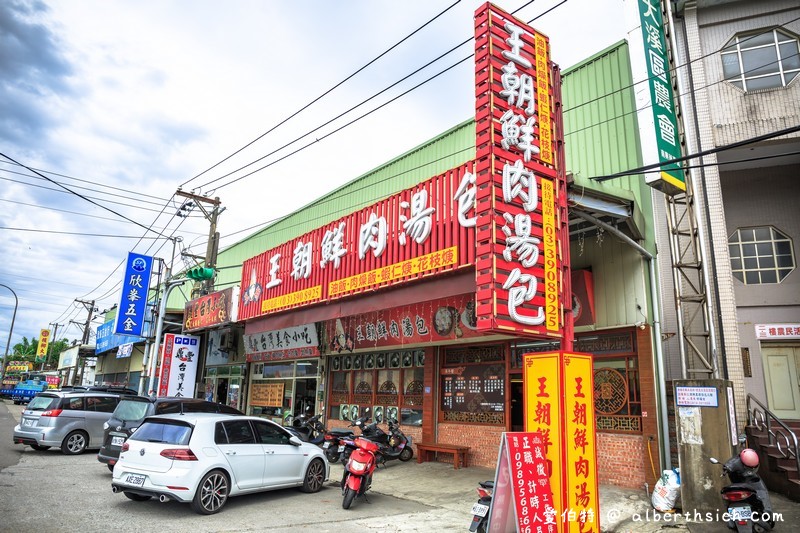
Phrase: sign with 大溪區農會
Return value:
(670, 179)
(133, 300)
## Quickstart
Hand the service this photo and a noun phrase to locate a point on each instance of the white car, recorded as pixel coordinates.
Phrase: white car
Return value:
(204, 458)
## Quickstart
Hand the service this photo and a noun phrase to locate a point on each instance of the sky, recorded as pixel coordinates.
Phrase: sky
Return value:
(122, 102)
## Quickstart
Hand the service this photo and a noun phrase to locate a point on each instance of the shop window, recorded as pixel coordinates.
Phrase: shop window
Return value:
(764, 60)
(472, 385)
(387, 383)
(760, 255)
(617, 394)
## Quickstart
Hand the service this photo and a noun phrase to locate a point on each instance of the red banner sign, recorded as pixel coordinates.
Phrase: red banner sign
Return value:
(422, 231)
(521, 209)
(522, 499)
(432, 321)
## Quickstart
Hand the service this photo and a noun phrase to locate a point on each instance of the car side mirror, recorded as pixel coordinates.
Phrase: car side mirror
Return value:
(295, 441)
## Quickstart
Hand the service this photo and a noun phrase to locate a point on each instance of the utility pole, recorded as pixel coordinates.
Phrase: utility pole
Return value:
(89, 307)
(213, 235)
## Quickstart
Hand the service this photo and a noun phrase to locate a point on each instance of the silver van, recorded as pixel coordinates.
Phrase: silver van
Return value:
(70, 420)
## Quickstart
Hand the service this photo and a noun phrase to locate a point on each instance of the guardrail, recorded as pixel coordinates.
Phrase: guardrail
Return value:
(782, 437)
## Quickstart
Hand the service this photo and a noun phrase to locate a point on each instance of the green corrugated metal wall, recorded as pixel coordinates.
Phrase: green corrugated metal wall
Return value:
(590, 122)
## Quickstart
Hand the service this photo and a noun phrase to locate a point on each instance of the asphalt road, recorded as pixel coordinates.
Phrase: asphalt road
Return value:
(48, 491)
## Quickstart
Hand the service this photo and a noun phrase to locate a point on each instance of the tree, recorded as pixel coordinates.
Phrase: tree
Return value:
(25, 350)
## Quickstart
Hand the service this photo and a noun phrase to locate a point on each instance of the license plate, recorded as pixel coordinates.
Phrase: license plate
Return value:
(739, 513)
(134, 479)
(117, 441)
(341, 448)
(27, 422)
(479, 509)
(326, 445)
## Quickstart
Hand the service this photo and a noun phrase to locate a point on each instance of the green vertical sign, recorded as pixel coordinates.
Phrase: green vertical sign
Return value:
(663, 104)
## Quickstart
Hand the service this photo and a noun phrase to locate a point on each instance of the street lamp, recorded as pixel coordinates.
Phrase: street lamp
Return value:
(10, 331)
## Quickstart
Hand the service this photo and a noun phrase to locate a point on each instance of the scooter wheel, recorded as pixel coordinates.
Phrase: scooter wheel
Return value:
(406, 454)
(332, 455)
(349, 496)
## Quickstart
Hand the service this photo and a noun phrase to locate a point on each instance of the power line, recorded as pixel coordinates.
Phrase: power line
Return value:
(702, 153)
(325, 93)
(94, 183)
(77, 233)
(404, 78)
(78, 194)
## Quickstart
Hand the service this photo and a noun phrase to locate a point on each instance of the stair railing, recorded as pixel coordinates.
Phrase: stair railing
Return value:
(782, 437)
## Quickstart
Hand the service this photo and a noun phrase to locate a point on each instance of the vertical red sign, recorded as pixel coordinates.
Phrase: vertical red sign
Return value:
(520, 190)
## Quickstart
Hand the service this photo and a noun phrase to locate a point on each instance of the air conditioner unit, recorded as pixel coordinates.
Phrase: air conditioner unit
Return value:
(227, 342)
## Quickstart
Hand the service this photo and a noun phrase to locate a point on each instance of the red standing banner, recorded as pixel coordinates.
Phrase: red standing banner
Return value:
(522, 499)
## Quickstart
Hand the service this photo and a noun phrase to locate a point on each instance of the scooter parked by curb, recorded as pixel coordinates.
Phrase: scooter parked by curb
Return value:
(480, 510)
(357, 477)
(749, 508)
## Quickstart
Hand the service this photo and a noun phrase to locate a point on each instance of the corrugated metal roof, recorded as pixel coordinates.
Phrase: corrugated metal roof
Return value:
(601, 138)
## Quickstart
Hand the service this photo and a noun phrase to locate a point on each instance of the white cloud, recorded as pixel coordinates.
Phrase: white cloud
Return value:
(144, 95)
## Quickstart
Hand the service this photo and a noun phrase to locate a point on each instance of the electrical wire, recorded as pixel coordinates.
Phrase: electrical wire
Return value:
(325, 93)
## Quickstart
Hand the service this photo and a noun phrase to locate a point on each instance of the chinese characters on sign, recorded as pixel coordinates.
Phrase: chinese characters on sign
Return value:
(41, 349)
(558, 399)
(522, 484)
(133, 300)
(778, 331)
(212, 309)
(696, 397)
(519, 279)
(664, 116)
(179, 365)
(288, 343)
(418, 232)
(581, 488)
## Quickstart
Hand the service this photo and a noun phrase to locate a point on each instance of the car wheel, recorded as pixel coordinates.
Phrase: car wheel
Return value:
(111, 468)
(406, 454)
(136, 497)
(349, 496)
(40, 448)
(315, 476)
(75, 443)
(212, 493)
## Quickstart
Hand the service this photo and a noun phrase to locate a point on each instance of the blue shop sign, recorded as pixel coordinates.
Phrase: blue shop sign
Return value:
(107, 339)
(133, 300)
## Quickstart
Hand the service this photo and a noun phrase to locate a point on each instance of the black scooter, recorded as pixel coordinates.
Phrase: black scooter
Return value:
(394, 445)
(747, 498)
(480, 510)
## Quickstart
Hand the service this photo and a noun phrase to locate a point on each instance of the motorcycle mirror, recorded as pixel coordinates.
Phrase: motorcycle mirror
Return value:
(711, 459)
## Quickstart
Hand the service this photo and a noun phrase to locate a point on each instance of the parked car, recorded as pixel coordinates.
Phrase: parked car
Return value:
(71, 420)
(206, 458)
(132, 410)
(99, 388)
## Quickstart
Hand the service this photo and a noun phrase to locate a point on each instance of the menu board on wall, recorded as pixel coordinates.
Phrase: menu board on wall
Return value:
(267, 395)
(477, 388)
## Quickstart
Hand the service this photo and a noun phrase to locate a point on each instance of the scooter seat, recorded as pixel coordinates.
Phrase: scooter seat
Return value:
(341, 431)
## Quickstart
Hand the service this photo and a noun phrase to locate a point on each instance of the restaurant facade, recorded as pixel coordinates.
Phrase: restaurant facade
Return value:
(419, 303)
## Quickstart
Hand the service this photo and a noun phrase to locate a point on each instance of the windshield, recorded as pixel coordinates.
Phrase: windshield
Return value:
(43, 403)
(164, 431)
(131, 410)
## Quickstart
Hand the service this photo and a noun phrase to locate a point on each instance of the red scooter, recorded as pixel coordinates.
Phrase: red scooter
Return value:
(358, 470)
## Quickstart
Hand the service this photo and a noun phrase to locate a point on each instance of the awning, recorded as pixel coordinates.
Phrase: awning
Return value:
(414, 293)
